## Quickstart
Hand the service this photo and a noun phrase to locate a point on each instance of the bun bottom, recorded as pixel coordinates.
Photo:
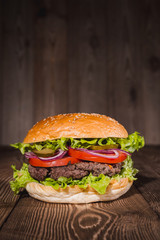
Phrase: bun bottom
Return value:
(78, 195)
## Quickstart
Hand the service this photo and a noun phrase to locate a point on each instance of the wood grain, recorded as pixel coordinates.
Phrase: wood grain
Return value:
(1, 68)
(7, 199)
(50, 78)
(79, 56)
(123, 219)
(134, 216)
(151, 69)
(148, 162)
(87, 57)
(17, 72)
(124, 85)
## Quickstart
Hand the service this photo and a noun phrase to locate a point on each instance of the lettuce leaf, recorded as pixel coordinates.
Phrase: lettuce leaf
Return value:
(133, 142)
(100, 183)
(21, 178)
(127, 170)
(52, 144)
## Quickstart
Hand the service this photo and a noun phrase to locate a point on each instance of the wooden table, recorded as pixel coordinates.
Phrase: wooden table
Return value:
(133, 216)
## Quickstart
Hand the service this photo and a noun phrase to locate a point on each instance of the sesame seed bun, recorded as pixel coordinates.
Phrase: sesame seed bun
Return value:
(76, 125)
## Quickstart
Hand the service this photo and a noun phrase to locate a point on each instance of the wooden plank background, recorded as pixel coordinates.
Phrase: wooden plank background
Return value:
(79, 56)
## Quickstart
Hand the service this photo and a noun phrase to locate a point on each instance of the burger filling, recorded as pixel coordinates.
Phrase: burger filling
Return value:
(67, 162)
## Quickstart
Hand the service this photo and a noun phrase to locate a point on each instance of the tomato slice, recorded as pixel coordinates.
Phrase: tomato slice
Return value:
(55, 163)
(89, 157)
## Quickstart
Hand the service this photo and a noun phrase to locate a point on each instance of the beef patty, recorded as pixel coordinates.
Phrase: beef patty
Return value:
(38, 173)
(76, 171)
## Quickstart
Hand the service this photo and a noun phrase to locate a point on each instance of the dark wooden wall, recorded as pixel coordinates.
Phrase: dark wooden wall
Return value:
(79, 56)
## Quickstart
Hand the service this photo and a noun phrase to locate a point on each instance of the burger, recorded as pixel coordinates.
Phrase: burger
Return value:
(77, 158)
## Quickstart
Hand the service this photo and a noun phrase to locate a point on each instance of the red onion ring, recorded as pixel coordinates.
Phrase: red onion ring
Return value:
(104, 153)
(60, 154)
(30, 155)
(107, 151)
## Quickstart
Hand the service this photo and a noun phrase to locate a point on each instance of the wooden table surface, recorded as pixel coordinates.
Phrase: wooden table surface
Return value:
(133, 216)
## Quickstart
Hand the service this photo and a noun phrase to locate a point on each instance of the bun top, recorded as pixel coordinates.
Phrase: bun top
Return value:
(75, 125)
